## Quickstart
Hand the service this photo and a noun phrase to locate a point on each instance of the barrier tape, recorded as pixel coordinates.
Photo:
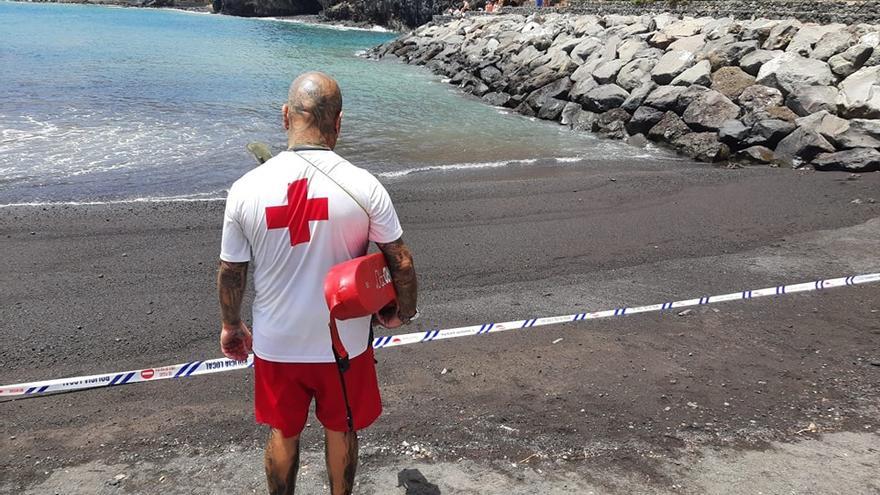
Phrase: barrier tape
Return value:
(196, 368)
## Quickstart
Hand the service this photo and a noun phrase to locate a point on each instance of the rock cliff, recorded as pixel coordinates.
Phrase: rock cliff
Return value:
(767, 91)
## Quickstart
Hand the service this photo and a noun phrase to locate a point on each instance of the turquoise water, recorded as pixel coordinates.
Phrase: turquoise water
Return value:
(101, 103)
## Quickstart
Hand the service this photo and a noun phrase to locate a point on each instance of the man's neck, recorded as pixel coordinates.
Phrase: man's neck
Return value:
(307, 141)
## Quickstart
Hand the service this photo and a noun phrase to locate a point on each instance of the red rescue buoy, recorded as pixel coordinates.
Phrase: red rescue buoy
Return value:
(356, 288)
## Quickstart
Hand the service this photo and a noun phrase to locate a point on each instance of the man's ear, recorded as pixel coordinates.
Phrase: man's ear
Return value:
(285, 113)
(339, 123)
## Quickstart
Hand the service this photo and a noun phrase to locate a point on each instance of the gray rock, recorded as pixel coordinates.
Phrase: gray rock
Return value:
(628, 49)
(606, 73)
(702, 146)
(665, 97)
(643, 119)
(731, 81)
(529, 82)
(638, 96)
(670, 128)
(698, 74)
(790, 71)
(570, 113)
(860, 94)
(833, 43)
(758, 29)
(585, 48)
(689, 96)
(769, 132)
(670, 65)
(854, 160)
(685, 27)
(584, 121)
(605, 97)
(475, 86)
(752, 62)
(855, 133)
(758, 97)
(524, 109)
(733, 132)
(779, 113)
(552, 109)
(579, 91)
(660, 40)
(613, 123)
(781, 35)
(756, 154)
(720, 27)
(811, 99)
(691, 44)
(808, 35)
(844, 64)
(727, 51)
(557, 89)
(799, 146)
(496, 99)
(635, 74)
(710, 111)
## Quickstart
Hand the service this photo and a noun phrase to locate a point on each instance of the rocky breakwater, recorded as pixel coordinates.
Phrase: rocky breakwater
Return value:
(780, 92)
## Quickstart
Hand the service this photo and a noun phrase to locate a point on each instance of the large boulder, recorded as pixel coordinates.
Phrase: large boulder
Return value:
(685, 27)
(811, 99)
(801, 145)
(671, 64)
(854, 160)
(756, 154)
(727, 51)
(584, 121)
(832, 43)
(702, 146)
(643, 119)
(808, 35)
(731, 81)
(860, 94)
(769, 132)
(628, 49)
(635, 73)
(569, 113)
(580, 89)
(690, 44)
(552, 109)
(687, 97)
(756, 98)
(709, 111)
(605, 97)
(606, 73)
(790, 71)
(665, 97)
(698, 74)
(638, 96)
(613, 123)
(733, 132)
(752, 62)
(557, 89)
(670, 128)
(781, 35)
(843, 133)
(496, 99)
(844, 64)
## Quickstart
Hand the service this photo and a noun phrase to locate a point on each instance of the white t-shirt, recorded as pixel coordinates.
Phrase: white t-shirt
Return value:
(291, 249)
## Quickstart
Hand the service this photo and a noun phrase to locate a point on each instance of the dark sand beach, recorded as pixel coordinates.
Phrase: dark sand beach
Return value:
(718, 400)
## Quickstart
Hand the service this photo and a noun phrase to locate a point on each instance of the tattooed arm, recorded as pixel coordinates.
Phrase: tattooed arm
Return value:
(403, 273)
(235, 336)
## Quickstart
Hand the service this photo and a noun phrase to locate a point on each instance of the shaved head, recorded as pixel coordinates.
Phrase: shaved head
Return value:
(314, 100)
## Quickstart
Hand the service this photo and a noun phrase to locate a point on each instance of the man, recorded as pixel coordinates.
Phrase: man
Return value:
(293, 218)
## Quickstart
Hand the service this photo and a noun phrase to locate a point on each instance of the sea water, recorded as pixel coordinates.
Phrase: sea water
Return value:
(109, 104)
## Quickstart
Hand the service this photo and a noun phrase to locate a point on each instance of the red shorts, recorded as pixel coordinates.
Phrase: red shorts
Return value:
(283, 393)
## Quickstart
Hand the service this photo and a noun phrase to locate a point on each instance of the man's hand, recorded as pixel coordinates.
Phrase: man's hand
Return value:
(403, 274)
(236, 341)
(387, 317)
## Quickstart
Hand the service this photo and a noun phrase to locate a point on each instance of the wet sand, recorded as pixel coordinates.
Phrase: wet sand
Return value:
(622, 405)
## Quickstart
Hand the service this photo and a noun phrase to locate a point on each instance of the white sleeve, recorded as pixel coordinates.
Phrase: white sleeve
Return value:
(234, 246)
(384, 224)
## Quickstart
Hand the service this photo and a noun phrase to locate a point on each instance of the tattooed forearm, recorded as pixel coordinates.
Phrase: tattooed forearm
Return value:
(231, 282)
(403, 273)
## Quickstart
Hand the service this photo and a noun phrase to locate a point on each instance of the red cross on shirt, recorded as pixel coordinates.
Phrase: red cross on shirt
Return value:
(297, 213)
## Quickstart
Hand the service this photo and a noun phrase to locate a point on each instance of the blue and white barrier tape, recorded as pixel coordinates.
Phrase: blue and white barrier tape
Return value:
(195, 368)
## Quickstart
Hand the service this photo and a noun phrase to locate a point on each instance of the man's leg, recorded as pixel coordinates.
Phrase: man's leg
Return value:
(341, 452)
(282, 462)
